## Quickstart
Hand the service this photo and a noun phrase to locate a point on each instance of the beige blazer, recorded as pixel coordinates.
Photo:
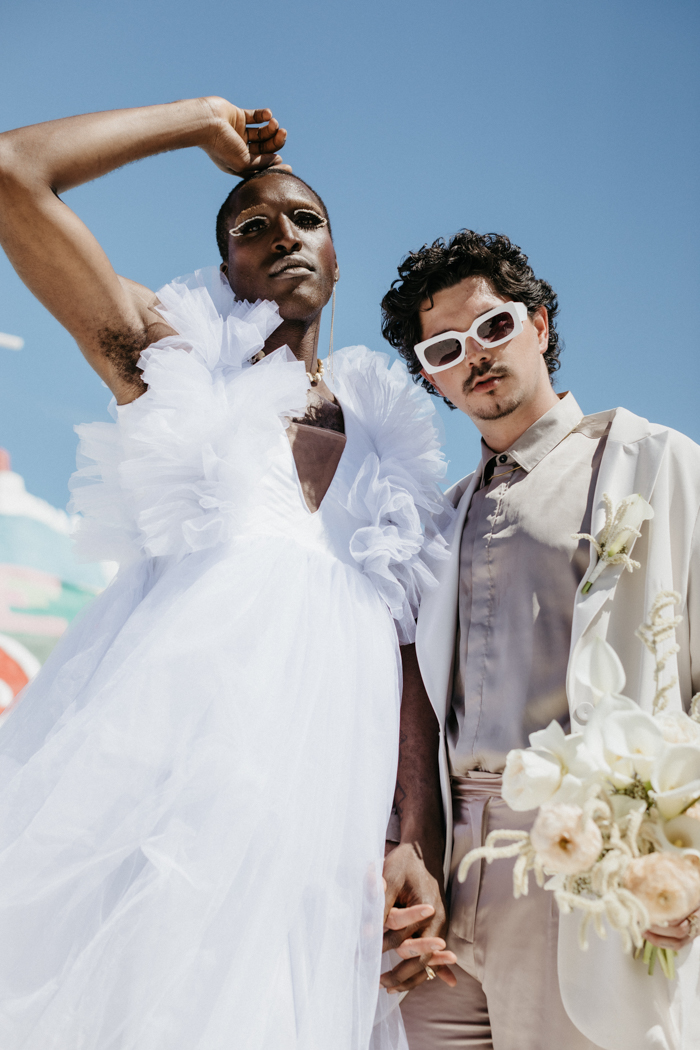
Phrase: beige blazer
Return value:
(608, 996)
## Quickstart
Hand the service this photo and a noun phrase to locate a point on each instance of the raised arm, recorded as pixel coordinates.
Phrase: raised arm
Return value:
(111, 318)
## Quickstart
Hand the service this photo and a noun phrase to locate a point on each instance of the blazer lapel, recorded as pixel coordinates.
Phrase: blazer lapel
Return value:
(437, 620)
(630, 464)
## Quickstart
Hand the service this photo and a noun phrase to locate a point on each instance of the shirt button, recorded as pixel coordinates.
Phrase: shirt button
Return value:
(502, 459)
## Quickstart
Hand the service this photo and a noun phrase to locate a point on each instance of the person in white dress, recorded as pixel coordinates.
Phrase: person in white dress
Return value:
(196, 787)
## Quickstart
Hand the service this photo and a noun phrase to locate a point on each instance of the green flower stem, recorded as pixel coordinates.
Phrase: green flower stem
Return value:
(667, 960)
(650, 952)
(666, 957)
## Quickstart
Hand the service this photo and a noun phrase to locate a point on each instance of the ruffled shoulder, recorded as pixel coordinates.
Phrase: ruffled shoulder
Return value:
(211, 323)
(164, 478)
(396, 493)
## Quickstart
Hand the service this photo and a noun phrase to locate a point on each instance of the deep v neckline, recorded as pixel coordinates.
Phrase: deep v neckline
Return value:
(316, 455)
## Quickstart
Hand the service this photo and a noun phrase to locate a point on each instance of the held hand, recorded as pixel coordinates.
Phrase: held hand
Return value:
(239, 149)
(415, 928)
(676, 935)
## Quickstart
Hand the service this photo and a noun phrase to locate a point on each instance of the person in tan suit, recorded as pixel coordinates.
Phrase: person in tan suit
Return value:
(496, 641)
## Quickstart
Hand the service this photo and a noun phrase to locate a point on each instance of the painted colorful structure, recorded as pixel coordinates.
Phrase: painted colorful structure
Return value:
(42, 585)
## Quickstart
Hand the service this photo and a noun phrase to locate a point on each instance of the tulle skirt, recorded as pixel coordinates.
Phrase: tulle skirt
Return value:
(195, 792)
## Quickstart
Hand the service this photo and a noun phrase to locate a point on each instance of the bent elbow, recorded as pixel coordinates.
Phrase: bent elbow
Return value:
(18, 167)
(9, 166)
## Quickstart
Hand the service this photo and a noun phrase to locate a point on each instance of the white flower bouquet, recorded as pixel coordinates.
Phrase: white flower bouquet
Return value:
(617, 833)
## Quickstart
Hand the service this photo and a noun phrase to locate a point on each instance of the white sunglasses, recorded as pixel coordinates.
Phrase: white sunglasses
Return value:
(491, 329)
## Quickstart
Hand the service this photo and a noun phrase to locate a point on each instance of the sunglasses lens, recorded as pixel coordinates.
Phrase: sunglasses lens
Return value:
(500, 326)
(444, 352)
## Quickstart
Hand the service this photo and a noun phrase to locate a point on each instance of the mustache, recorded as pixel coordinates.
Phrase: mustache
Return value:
(479, 371)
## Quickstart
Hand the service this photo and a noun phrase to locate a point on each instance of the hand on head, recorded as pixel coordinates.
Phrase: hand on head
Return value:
(239, 149)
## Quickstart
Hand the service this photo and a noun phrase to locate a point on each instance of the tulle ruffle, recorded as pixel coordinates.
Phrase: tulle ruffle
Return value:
(174, 474)
(396, 490)
(180, 469)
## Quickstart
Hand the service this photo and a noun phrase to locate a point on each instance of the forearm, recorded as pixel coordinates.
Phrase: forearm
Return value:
(418, 800)
(64, 153)
(413, 871)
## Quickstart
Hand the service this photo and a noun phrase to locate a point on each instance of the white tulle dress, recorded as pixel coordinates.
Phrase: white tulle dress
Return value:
(195, 789)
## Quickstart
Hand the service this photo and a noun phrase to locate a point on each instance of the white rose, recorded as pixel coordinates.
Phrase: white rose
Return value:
(530, 778)
(563, 841)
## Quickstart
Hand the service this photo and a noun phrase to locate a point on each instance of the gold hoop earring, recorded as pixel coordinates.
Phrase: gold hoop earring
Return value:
(330, 344)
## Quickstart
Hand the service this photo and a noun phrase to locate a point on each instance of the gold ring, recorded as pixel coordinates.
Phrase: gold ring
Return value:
(693, 924)
(430, 972)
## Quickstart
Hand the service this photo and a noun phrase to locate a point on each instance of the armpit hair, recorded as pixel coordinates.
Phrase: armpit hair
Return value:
(122, 348)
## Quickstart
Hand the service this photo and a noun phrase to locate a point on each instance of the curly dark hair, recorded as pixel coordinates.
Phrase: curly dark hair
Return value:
(226, 209)
(442, 265)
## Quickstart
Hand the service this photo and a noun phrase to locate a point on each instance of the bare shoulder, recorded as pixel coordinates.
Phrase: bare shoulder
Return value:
(120, 346)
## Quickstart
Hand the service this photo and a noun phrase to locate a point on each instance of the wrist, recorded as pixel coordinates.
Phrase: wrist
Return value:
(429, 845)
(217, 113)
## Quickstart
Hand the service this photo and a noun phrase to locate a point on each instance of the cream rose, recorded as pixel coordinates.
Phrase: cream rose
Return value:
(563, 841)
(667, 884)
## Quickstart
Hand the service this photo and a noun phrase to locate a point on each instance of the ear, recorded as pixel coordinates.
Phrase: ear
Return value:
(540, 322)
(224, 268)
(432, 380)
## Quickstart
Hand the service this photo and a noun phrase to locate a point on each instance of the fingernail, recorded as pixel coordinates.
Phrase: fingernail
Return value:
(426, 912)
(412, 951)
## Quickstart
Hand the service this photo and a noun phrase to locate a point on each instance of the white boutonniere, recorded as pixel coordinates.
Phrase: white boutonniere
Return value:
(622, 527)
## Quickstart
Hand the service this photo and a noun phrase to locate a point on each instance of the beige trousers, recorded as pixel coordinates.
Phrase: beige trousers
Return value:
(507, 994)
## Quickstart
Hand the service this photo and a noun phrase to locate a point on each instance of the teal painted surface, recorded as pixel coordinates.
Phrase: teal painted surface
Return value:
(27, 542)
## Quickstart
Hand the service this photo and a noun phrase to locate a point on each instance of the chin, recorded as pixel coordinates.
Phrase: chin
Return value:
(496, 409)
(300, 304)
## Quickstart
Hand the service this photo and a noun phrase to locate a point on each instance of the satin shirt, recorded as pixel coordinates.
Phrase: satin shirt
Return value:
(520, 566)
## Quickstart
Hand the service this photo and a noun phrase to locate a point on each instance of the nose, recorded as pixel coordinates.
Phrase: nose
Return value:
(476, 353)
(286, 240)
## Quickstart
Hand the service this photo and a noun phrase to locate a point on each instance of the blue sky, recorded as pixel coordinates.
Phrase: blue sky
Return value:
(572, 127)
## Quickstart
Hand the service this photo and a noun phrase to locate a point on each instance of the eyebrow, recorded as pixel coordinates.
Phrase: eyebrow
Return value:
(296, 205)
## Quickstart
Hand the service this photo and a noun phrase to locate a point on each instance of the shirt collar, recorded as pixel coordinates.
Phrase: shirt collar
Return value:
(540, 438)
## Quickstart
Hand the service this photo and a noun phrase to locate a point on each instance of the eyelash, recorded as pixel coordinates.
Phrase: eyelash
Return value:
(243, 229)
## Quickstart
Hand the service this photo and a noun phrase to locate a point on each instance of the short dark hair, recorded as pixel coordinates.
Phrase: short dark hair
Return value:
(444, 264)
(226, 208)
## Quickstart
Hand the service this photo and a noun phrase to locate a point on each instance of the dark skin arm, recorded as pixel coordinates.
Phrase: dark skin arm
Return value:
(56, 255)
(413, 871)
